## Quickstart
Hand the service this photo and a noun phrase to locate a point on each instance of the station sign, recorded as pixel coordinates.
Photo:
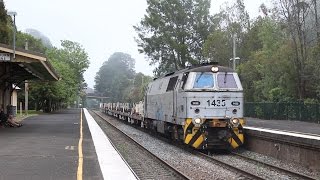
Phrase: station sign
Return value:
(5, 57)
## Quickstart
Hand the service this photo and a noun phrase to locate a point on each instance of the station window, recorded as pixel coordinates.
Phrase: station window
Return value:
(172, 83)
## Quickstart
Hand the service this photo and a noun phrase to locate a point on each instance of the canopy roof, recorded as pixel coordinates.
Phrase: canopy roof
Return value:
(26, 65)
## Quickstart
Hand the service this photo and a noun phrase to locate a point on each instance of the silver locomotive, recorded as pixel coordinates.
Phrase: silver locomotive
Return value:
(201, 106)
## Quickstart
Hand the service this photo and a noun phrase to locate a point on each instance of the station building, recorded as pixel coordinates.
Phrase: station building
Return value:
(18, 66)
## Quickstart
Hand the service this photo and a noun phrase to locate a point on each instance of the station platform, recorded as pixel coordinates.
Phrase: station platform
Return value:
(111, 162)
(293, 141)
(284, 125)
(46, 147)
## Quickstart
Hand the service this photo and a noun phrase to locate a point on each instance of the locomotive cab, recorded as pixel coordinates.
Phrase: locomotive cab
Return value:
(202, 106)
(213, 97)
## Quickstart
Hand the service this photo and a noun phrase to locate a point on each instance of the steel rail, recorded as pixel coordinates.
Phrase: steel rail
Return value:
(230, 167)
(179, 173)
(299, 175)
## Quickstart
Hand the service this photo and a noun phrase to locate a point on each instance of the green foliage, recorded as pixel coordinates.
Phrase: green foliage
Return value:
(4, 26)
(230, 21)
(70, 62)
(6, 34)
(217, 47)
(136, 91)
(268, 74)
(285, 66)
(234, 19)
(173, 32)
(117, 80)
(73, 54)
(297, 16)
(310, 101)
(258, 111)
(38, 35)
(115, 75)
(34, 44)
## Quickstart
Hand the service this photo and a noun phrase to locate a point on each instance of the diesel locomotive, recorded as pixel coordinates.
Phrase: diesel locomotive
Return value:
(200, 106)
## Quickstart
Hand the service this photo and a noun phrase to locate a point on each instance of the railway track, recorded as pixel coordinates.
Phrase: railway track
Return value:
(145, 164)
(243, 174)
(291, 173)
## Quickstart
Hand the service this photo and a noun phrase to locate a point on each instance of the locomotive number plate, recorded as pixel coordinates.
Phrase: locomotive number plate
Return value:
(217, 102)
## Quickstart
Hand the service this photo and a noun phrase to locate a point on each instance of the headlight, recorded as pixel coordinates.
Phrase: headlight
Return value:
(235, 122)
(214, 69)
(197, 120)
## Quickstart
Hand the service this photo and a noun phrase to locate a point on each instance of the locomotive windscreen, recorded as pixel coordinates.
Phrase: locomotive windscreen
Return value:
(204, 80)
(226, 81)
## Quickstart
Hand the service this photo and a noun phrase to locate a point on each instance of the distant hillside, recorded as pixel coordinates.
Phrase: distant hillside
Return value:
(37, 34)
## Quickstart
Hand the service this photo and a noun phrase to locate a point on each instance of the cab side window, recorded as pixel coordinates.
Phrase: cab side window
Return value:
(172, 83)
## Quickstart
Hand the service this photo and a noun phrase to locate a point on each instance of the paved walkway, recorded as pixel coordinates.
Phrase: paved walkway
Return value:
(46, 147)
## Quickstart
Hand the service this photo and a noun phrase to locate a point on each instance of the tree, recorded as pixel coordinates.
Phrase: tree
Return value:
(34, 44)
(300, 20)
(115, 76)
(230, 21)
(135, 92)
(173, 32)
(74, 54)
(4, 26)
(218, 47)
(315, 6)
(70, 62)
(268, 75)
(235, 18)
(295, 14)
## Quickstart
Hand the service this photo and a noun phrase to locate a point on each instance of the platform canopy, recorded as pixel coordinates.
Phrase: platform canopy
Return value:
(26, 65)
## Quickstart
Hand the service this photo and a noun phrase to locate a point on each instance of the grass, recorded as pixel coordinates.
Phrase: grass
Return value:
(21, 117)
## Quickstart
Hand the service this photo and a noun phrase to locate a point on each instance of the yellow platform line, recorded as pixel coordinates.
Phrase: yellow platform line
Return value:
(80, 161)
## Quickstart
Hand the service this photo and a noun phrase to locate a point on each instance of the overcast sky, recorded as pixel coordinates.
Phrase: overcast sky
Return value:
(102, 27)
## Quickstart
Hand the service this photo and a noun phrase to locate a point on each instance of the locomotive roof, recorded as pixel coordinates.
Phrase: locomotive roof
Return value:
(206, 68)
(201, 68)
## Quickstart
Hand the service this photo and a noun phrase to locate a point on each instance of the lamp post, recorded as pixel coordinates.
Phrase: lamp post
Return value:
(13, 14)
(233, 61)
(234, 58)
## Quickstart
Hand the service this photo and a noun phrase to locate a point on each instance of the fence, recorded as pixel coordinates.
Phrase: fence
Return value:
(283, 111)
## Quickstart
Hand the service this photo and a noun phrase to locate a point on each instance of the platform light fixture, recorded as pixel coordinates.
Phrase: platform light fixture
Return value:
(234, 62)
(14, 14)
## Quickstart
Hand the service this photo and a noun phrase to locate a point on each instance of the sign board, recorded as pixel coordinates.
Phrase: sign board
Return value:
(5, 57)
